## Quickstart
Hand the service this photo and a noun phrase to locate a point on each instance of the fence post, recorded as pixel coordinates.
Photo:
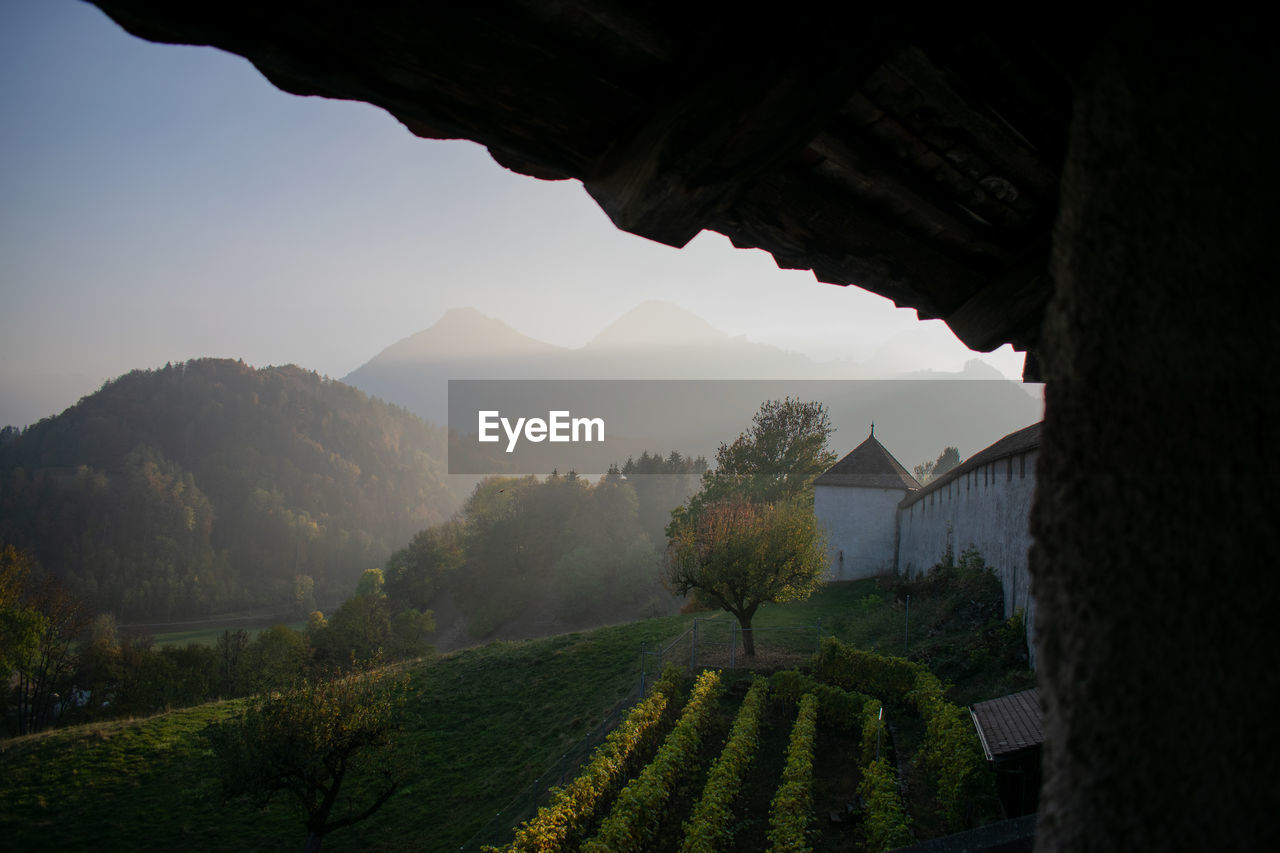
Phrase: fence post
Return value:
(906, 622)
(733, 645)
(693, 654)
(643, 661)
(817, 644)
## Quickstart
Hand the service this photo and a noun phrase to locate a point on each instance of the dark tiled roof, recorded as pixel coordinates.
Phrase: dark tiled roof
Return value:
(870, 466)
(1009, 724)
(1027, 438)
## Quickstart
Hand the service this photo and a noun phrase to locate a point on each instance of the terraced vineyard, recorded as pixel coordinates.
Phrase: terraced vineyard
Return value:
(491, 725)
(732, 765)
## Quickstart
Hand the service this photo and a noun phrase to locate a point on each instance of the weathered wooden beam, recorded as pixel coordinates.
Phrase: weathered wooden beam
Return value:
(874, 178)
(1008, 309)
(666, 178)
(961, 190)
(808, 223)
(949, 116)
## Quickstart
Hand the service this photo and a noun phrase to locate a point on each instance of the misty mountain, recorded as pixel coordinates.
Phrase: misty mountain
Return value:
(655, 340)
(209, 486)
(657, 325)
(661, 341)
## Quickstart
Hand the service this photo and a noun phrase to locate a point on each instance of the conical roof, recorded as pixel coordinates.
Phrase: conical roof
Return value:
(870, 466)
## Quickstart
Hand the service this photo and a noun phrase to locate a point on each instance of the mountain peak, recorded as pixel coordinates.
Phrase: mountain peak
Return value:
(464, 333)
(657, 324)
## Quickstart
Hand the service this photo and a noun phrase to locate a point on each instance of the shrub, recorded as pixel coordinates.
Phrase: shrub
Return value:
(839, 708)
(885, 822)
(637, 815)
(557, 825)
(952, 753)
(792, 804)
(887, 678)
(708, 828)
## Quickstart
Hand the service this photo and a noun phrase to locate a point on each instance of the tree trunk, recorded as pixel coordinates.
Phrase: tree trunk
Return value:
(313, 843)
(748, 638)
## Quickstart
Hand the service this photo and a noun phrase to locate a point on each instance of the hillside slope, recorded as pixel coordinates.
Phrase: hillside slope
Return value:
(490, 728)
(208, 486)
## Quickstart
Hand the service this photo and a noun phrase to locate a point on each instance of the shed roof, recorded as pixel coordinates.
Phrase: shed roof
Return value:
(1009, 724)
(868, 466)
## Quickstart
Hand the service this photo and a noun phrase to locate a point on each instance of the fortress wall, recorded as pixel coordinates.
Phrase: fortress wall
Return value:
(987, 508)
(860, 528)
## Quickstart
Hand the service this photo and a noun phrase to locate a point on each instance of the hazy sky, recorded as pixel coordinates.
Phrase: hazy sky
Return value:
(159, 203)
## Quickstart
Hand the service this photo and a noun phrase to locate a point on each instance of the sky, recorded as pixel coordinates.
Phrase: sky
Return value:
(160, 203)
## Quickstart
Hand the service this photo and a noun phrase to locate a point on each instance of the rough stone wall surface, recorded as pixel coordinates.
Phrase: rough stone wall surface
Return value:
(860, 523)
(1156, 548)
(987, 508)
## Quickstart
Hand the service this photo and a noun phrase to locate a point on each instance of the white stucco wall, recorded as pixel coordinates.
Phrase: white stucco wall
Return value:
(988, 508)
(860, 525)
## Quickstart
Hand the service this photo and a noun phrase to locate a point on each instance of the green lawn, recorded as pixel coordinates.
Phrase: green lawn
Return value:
(209, 636)
(483, 724)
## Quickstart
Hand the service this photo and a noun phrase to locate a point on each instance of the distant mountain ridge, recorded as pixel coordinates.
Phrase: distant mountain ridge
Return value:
(655, 340)
(465, 333)
(655, 324)
(659, 340)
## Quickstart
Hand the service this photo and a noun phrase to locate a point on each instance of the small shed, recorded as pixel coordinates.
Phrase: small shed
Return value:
(1011, 734)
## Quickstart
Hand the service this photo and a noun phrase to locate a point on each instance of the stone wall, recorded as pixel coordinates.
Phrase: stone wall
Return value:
(987, 507)
(861, 529)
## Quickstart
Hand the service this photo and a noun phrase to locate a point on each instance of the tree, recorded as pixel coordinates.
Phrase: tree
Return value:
(370, 584)
(610, 572)
(317, 742)
(947, 459)
(276, 657)
(661, 484)
(39, 625)
(230, 654)
(749, 535)
(304, 595)
(416, 573)
(360, 629)
(777, 458)
(737, 555)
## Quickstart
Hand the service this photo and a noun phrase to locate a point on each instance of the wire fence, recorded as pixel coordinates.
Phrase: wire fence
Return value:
(500, 830)
(709, 643)
(720, 643)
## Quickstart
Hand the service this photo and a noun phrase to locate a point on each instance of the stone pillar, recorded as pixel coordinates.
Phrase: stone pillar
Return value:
(1156, 521)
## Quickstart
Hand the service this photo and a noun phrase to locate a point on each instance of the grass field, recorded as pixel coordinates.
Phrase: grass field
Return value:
(209, 636)
(483, 724)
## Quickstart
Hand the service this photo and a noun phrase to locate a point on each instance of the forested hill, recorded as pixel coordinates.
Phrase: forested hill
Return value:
(211, 486)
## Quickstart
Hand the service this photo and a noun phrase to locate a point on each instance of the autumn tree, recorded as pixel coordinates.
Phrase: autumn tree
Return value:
(329, 746)
(738, 555)
(749, 535)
